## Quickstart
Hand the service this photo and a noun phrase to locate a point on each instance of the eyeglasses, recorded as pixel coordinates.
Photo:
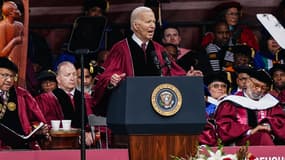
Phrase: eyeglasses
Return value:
(6, 76)
(216, 86)
(259, 86)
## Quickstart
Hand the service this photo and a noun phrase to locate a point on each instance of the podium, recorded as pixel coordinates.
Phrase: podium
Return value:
(155, 130)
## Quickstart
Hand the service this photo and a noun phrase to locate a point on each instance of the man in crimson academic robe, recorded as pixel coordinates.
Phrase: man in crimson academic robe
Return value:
(64, 102)
(18, 109)
(252, 115)
(137, 55)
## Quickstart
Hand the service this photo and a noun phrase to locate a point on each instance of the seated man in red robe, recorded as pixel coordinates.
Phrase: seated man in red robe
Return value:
(252, 115)
(137, 55)
(64, 102)
(18, 109)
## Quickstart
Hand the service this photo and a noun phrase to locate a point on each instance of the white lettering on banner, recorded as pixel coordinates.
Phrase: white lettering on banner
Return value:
(270, 158)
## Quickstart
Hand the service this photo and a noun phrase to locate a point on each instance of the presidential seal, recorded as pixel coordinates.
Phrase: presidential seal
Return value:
(166, 99)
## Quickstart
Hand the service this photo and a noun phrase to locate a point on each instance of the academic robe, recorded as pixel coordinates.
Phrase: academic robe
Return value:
(234, 121)
(209, 135)
(119, 61)
(29, 113)
(57, 105)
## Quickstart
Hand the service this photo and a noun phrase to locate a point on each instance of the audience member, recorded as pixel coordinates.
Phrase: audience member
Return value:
(172, 35)
(18, 109)
(217, 86)
(270, 52)
(186, 58)
(240, 78)
(172, 50)
(217, 51)
(242, 56)
(277, 73)
(64, 102)
(230, 12)
(88, 82)
(135, 56)
(47, 81)
(253, 115)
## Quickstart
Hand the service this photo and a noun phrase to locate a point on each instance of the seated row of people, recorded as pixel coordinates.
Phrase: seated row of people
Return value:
(20, 111)
(254, 113)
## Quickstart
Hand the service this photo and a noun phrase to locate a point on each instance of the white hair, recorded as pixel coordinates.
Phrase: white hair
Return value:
(137, 12)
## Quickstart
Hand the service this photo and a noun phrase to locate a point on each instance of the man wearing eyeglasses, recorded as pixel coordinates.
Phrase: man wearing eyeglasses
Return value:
(251, 115)
(18, 109)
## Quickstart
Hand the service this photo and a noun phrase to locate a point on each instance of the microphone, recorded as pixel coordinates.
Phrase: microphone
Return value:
(166, 59)
(155, 60)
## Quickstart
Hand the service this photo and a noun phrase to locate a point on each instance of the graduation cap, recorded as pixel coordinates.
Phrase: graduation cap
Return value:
(277, 67)
(46, 75)
(6, 63)
(261, 75)
(243, 69)
(219, 76)
(243, 50)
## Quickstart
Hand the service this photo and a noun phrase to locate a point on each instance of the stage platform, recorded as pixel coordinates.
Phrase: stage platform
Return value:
(260, 152)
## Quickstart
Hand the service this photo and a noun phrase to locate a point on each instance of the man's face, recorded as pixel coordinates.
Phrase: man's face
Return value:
(87, 78)
(7, 79)
(256, 89)
(144, 26)
(279, 79)
(67, 77)
(222, 34)
(241, 80)
(172, 36)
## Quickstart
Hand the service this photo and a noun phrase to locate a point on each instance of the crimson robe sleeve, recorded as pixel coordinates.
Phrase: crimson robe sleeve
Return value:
(49, 106)
(228, 127)
(276, 118)
(208, 135)
(29, 111)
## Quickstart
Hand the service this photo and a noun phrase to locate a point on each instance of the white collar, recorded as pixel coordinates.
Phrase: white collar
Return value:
(212, 100)
(69, 93)
(138, 41)
(267, 101)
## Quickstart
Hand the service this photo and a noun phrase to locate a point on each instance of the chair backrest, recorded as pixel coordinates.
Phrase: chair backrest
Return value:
(98, 121)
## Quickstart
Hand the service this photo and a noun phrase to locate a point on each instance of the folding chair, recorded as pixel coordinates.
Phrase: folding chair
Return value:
(97, 122)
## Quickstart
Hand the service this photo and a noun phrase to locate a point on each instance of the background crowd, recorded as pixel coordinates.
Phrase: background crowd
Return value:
(243, 70)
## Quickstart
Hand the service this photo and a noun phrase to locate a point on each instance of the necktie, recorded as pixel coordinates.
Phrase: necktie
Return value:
(72, 100)
(143, 45)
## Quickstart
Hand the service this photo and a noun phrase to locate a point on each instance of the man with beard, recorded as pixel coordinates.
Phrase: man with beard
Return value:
(277, 73)
(251, 115)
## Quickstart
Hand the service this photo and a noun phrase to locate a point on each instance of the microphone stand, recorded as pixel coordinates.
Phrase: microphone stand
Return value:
(82, 52)
(86, 37)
